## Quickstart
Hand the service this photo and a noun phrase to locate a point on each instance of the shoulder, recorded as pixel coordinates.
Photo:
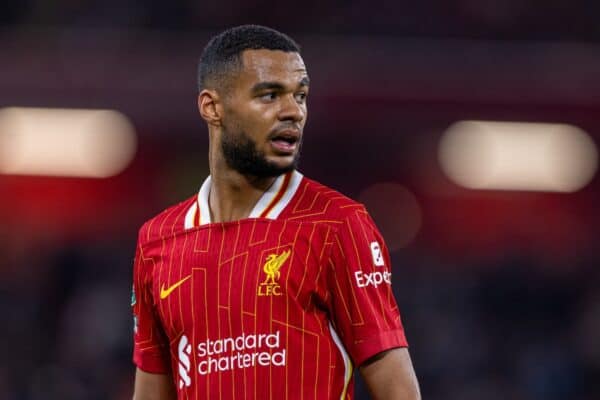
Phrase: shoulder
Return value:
(316, 202)
(167, 223)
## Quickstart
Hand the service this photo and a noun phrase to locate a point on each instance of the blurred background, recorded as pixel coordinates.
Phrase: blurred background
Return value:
(493, 228)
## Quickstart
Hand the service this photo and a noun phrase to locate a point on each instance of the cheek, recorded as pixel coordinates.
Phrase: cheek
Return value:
(253, 118)
(258, 123)
(231, 127)
(237, 123)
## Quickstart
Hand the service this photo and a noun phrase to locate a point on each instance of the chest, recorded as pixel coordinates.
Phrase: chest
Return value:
(238, 272)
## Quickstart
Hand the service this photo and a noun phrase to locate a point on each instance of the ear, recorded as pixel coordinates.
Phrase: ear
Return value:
(210, 107)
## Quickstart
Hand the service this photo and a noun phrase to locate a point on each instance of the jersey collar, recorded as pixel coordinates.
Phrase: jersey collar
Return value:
(270, 205)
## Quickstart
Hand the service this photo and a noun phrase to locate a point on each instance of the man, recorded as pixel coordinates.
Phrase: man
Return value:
(265, 285)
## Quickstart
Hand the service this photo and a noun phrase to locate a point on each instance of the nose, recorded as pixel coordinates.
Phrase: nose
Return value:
(291, 109)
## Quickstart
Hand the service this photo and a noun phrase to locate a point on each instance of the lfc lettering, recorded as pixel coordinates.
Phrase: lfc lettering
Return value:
(269, 289)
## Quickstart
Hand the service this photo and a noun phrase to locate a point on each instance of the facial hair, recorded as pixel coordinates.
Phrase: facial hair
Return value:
(242, 154)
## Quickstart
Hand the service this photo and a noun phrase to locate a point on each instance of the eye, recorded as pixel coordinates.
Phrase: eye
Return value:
(301, 97)
(267, 97)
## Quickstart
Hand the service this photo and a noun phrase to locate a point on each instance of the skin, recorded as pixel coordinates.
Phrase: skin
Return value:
(267, 96)
(153, 386)
(390, 375)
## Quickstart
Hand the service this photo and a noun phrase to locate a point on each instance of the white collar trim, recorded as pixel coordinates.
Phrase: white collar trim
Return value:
(270, 205)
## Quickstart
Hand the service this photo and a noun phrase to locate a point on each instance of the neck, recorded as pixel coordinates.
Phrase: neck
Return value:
(233, 195)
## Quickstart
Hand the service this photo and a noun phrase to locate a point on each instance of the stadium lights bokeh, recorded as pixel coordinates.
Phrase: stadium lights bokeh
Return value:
(396, 211)
(518, 156)
(65, 142)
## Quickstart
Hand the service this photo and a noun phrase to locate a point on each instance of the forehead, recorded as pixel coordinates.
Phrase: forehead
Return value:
(270, 66)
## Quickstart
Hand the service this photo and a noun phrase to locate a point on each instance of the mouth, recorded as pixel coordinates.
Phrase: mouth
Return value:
(285, 141)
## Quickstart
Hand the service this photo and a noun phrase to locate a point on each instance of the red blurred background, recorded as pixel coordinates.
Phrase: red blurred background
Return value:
(498, 289)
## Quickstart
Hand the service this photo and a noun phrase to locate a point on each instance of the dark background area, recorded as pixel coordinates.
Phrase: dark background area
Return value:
(499, 291)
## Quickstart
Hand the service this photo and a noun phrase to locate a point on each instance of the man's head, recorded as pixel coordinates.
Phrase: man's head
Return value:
(222, 56)
(253, 86)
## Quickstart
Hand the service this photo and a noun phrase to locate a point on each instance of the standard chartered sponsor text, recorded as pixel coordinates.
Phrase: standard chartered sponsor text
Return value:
(243, 351)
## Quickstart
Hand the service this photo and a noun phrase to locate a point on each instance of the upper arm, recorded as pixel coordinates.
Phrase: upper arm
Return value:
(149, 346)
(153, 386)
(362, 305)
(150, 343)
(390, 375)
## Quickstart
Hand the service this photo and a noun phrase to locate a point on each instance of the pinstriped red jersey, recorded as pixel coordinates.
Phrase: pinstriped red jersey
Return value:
(280, 305)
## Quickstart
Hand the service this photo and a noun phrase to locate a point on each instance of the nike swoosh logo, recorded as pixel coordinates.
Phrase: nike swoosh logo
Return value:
(164, 293)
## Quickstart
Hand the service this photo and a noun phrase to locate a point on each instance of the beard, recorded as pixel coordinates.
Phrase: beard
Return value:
(242, 154)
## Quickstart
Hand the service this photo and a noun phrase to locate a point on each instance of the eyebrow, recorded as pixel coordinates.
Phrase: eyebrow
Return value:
(276, 85)
(305, 81)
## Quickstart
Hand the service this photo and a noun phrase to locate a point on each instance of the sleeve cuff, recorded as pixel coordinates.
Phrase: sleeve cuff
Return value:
(151, 363)
(367, 348)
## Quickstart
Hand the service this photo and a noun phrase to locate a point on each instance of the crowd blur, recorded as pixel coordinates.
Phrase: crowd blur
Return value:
(509, 19)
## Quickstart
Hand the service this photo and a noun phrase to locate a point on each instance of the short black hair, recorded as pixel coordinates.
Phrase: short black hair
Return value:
(222, 54)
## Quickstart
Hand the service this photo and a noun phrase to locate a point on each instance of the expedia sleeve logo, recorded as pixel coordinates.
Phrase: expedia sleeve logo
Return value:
(270, 286)
(377, 254)
(377, 277)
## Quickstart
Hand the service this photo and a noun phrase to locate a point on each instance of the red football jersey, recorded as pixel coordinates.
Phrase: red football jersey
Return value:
(279, 305)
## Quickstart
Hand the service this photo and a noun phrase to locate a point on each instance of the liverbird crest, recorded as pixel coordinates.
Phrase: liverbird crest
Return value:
(273, 265)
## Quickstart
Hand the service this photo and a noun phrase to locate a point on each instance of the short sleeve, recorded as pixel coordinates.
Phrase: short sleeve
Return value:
(150, 348)
(363, 309)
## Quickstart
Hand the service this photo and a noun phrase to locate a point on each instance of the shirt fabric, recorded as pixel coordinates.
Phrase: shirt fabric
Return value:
(280, 305)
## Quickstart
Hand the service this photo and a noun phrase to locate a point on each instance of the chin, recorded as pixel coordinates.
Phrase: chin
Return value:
(286, 162)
